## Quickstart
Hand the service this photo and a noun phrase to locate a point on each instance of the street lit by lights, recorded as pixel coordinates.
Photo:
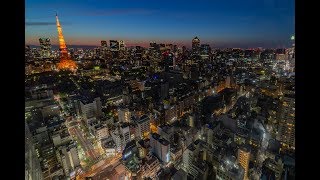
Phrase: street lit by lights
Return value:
(252, 93)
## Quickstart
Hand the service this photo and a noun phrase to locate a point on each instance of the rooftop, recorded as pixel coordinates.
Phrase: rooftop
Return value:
(155, 136)
(202, 165)
(144, 143)
(164, 142)
(151, 160)
(143, 119)
(109, 144)
(191, 147)
(230, 165)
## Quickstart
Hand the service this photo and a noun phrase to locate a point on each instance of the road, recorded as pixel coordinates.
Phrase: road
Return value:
(98, 168)
(85, 143)
(78, 86)
(73, 126)
(57, 98)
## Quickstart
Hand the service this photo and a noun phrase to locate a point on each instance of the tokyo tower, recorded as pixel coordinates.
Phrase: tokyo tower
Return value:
(65, 61)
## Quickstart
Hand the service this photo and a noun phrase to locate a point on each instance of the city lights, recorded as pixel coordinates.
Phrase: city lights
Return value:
(164, 101)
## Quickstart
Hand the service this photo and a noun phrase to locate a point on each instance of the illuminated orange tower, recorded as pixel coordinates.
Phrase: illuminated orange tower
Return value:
(65, 62)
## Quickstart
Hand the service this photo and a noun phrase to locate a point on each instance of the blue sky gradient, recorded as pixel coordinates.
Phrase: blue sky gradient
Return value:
(228, 23)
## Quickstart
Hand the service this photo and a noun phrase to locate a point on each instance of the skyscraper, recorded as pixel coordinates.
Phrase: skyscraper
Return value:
(286, 132)
(104, 44)
(88, 108)
(103, 48)
(45, 47)
(196, 46)
(243, 158)
(68, 156)
(65, 61)
(160, 147)
(292, 53)
(124, 115)
(168, 59)
(143, 126)
(205, 50)
(122, 45)
(138, 53)
(114, 45)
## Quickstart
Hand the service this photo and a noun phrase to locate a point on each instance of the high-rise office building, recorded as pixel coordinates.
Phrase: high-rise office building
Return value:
(188, 157)
(101, 132)
(114, 45)
(124, 115)
(160, 147)
(243, 159)
(164, 89)
(175, 48)
(143, 126)
(292, 54)
(28, 53)
(293, 45)
(88, 109)
(184, 49)
(272, 169)
(196, 46)
(286, 133)
(104, 44)
(153, 44)
(168, 60)
(118, 139)
(125, 131)
(138, 53)
(104, 48)
(45, 47)
(68, 156)
(281, 54)
(122, 45)
(205, 50)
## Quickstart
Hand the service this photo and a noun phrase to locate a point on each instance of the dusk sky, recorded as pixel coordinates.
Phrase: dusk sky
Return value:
(220, 23)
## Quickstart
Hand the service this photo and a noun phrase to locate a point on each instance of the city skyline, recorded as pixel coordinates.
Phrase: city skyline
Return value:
(137, 105)
(244, 24)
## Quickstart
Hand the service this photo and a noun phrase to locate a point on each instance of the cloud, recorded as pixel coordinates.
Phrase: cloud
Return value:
(44, 23)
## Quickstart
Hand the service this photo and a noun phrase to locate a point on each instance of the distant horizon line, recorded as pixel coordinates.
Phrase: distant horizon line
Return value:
(93, 46)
